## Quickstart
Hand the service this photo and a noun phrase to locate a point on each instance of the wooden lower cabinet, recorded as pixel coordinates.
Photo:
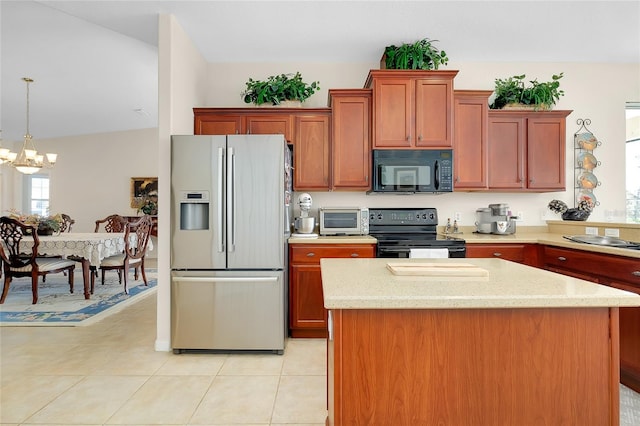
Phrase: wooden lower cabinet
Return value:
(307, 315)
(615, 271)
(521, 253)
(538, 366)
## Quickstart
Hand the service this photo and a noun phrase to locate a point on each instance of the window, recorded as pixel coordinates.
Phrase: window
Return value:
(38, 190)
(633, 162)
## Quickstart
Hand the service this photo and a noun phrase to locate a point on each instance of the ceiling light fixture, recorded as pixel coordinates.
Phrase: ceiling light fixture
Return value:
(29, 161)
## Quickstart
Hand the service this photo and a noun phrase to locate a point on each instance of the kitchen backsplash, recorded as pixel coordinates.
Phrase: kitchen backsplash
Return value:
(533, 207)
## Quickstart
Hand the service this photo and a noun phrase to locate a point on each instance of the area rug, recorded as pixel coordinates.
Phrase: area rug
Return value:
(57, 307)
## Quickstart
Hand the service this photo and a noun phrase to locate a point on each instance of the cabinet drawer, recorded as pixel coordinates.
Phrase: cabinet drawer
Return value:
(609, 266)
(513, 252)
(312, 253)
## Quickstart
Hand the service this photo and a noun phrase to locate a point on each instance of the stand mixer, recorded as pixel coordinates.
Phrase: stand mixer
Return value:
(305, 224)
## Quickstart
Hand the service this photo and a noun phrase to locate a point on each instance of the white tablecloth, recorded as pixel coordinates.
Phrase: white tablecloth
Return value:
(93, 246)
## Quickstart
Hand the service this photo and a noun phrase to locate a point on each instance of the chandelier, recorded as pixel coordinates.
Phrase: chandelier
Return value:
(28, 161)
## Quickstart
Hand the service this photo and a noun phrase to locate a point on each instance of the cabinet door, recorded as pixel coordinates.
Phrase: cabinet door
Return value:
(306, 307)
(311, 153)
(393, 116)
(351, 145)
(275, 124)
(470, 139)
(433, 117)
(506, 152)
(546, 146)
(629, 340)
(218, 124)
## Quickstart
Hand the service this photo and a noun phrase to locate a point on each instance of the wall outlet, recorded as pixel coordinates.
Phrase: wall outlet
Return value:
(591, 230)
(520, 217)
(611, 232)
(457, 216)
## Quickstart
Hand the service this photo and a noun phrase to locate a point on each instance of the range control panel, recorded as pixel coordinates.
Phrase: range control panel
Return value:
(406, 216)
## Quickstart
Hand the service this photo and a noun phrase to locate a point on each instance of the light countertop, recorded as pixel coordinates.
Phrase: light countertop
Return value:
(338, 239)
(368, 284)
(524, 237)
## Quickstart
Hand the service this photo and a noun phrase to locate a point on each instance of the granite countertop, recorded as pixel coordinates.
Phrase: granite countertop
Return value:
(368, 284)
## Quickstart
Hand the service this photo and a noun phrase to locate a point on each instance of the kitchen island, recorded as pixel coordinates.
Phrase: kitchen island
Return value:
(522, 346)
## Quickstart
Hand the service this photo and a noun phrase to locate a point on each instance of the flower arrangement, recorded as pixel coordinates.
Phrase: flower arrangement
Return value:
(46, 225)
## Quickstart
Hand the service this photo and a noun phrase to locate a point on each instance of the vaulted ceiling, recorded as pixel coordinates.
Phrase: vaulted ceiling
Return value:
(95, 62)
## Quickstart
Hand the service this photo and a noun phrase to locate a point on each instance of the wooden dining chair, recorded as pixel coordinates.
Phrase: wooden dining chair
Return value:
(16, 265)
(133, 255)
(67, 223)
(111, 223)
(65, 226)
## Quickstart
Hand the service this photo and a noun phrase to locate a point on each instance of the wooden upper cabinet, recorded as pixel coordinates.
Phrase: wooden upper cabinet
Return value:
(351, 138)
(546, 151)
(412, 109)
(434, 112)
(392, 113)
(527, 150)
(311, 153)
(470, 139)
(257, 121)
(276, 124)
(214, 124)
(506, 151)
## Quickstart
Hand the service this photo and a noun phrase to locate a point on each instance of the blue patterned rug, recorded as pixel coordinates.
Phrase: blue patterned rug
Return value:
(58, 307)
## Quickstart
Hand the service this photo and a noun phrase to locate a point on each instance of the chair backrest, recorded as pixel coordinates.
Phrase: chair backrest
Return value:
(142, 229)
(12, 232)
(112, 223)
(67, 222)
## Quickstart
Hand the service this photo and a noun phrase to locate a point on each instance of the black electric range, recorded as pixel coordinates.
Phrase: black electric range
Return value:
(398, 230)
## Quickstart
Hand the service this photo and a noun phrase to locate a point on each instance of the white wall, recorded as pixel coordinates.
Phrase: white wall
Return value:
(595, 91)
(182, 76)
(92, 176)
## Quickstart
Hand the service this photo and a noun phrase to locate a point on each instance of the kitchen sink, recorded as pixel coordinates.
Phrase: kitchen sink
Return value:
(603, 241)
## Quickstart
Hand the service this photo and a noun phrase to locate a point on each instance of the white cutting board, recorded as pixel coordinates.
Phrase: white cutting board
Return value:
(433, 269)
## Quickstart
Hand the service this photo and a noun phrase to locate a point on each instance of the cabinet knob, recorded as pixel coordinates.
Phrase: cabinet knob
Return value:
(354, 255)
(562, 258)
(408, 137)
(636, 273)
(311, 254)
(420, 137)
(497, 254)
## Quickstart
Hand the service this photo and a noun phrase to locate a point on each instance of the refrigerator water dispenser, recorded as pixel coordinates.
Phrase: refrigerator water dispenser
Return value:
(194, 210)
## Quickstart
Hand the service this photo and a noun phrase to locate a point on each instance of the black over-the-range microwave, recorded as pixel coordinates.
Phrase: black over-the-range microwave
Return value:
(412, 171)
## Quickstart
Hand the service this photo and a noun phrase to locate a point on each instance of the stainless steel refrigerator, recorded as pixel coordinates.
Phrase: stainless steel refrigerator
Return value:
(230, 220)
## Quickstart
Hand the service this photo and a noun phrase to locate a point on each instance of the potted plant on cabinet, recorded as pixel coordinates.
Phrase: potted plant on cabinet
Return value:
(421, 55)
(278, 89)
(512, 93)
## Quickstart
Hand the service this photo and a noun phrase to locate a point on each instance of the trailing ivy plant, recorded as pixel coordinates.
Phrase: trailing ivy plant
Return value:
(278, 88)
(421, 55)
(541, 95)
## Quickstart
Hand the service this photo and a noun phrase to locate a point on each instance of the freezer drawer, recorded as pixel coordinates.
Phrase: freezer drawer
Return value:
(228, 310)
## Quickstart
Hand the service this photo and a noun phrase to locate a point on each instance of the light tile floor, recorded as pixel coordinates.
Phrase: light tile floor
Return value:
(109, 374)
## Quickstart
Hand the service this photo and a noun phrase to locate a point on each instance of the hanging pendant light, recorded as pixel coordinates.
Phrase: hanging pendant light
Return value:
(28, 161)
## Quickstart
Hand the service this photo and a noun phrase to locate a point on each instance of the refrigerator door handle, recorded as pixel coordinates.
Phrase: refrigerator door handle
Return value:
(220, 201)
(231, 200)
(224, 279)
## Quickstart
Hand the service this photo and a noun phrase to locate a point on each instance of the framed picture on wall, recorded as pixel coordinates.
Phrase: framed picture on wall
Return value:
(144, 194)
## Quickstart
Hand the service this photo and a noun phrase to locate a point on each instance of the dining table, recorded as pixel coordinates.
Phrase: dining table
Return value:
(88, 248)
